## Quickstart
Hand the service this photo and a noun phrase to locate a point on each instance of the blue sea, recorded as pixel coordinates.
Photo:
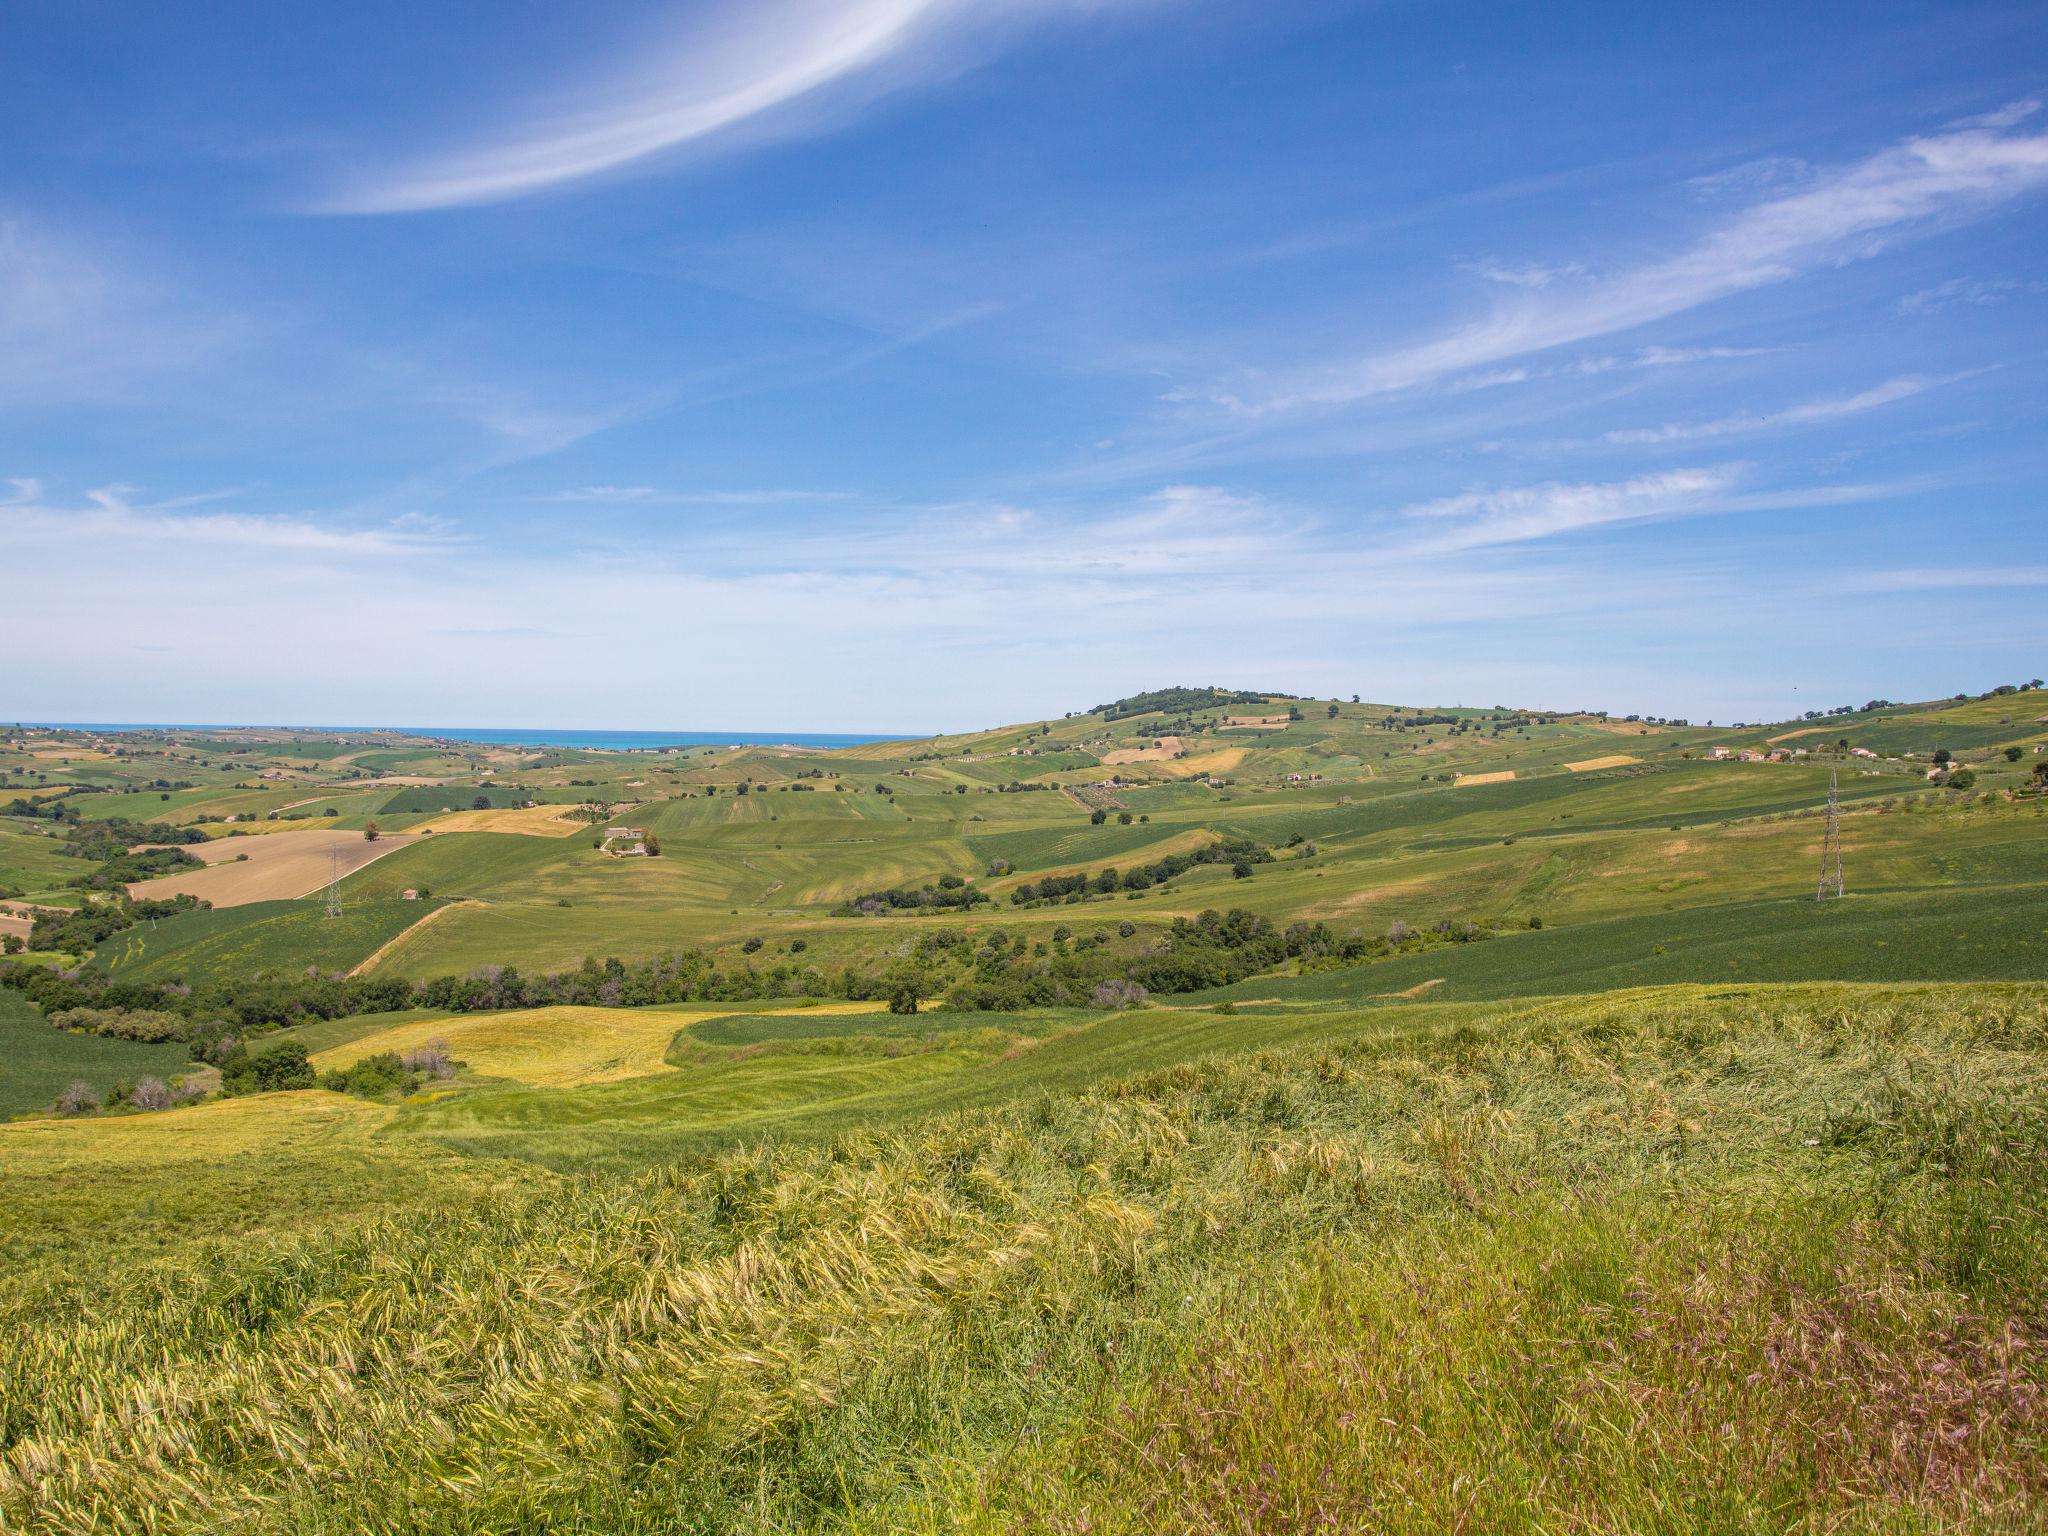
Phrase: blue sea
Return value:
(627, 741)
(609, 741)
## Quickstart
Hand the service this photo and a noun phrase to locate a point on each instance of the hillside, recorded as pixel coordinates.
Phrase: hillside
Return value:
(1371, 1117)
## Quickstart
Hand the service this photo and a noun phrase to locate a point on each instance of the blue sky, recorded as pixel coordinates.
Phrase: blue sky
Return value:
(919, 364)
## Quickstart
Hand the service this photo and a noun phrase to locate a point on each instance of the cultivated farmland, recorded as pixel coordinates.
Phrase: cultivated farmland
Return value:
(1021, 1130)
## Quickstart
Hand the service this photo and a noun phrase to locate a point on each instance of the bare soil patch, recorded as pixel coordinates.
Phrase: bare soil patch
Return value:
(1253, 723)
(280, 866)
(1169, 746)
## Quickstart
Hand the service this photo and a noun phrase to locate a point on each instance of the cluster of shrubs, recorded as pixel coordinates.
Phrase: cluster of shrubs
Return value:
(393, 1072)
(949, 891)
(150, 1026)
(97, 921)
(81, 1098)
(1240, 853)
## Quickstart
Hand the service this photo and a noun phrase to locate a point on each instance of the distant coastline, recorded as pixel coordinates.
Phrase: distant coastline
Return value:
(607, 741)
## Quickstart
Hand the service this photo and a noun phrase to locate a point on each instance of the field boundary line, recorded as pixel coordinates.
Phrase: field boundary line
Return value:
(363, 966)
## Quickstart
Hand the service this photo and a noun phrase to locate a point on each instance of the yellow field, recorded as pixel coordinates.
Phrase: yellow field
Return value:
(1501, 777)
(1619, 760)
(548, 1047)
(279, 866)
(531, 820)
(268, 1124)
(1168, 746)
(220, 829)
(1205, 763)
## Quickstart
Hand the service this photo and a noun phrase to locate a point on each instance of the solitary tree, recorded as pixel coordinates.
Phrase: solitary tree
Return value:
(370, 833)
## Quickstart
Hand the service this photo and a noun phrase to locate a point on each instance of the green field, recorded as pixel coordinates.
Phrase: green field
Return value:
(1693, 1204)
(265, 936)
(40, 1062)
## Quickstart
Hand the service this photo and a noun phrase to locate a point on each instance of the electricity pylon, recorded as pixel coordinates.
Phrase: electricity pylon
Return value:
(1831, 846)
(334, 881)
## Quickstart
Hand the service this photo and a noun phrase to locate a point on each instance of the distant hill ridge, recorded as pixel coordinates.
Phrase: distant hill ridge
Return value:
(1174, 700)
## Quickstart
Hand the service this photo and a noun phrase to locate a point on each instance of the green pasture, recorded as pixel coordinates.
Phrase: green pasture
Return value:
(38, 1062)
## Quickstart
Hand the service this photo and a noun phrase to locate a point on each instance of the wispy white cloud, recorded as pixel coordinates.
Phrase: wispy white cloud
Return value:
(109, 520)
(650, 495)
(1521, 514)
(1975, 291)
(79, 322)
(1944, 578)
(738, 63)
(1810, 413)
(1525, 275)
(1846, 215)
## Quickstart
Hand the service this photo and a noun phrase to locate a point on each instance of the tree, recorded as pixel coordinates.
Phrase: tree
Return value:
(903, 997)
(370, 833)
(2014, 754)
(480, 803)
(1941, 756)
(1097, 817)
(1333, 711)
(1962, 778)
(276, 1070)
(77, 1098)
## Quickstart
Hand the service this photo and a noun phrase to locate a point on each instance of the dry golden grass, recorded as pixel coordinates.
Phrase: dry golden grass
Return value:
(1205, 763)
(530, 820)
(269, 1123)
(561, 1047)
(1253, 723)
(1500, 777)
(279, 866)
(1168, 747)
(1589, 765)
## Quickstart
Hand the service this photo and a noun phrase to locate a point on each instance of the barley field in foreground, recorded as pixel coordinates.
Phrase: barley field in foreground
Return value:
(1678, 1259)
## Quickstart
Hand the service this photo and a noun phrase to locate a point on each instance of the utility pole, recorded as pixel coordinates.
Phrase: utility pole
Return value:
(1831, 846)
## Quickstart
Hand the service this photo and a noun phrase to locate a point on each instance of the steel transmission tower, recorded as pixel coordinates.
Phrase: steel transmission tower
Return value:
(1831, 846)
(334, 878)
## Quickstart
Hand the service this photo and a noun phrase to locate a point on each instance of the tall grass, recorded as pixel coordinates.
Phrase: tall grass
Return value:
(1757, 1261)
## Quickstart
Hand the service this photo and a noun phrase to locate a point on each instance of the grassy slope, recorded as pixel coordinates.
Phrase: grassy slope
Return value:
(38, 1062)
(265, 935)
(1994, 933)
(1669, 1261)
